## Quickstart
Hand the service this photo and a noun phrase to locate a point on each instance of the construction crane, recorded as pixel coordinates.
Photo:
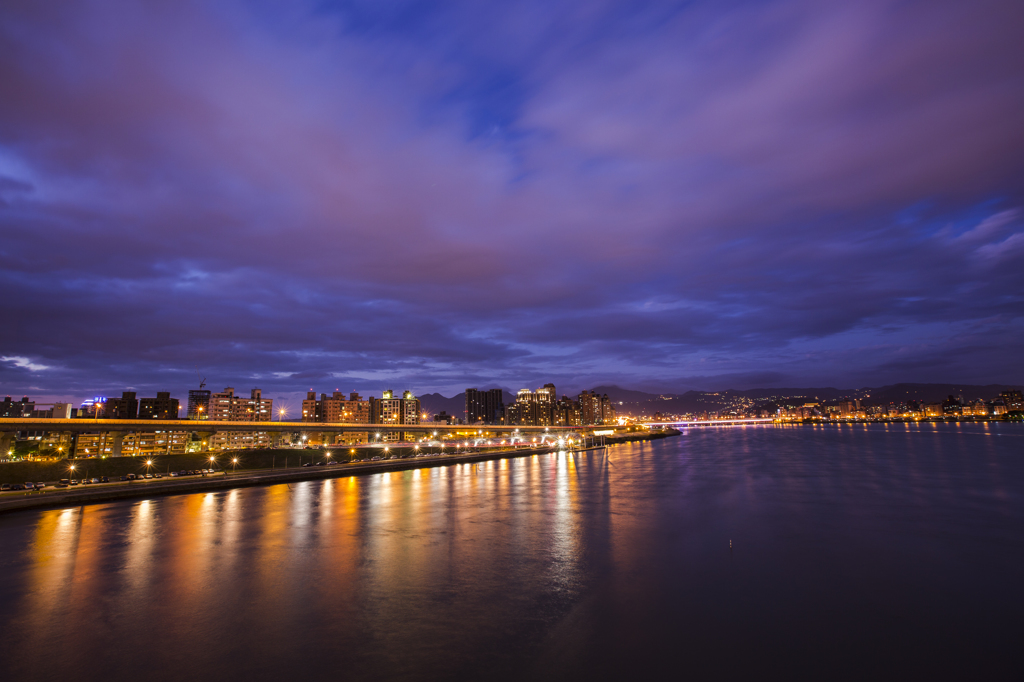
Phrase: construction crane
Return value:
(202, 380)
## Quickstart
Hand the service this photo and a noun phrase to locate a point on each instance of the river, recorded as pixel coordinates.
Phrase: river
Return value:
(837, 552)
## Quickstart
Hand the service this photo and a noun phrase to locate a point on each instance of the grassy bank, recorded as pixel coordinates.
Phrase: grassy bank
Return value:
(20, 472)
(280, 458)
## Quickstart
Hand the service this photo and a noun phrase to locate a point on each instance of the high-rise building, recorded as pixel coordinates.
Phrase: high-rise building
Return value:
(596, 409)
(590, 408)
(125, 407)
(199, 403)
(484, 407)
(607, 410)
(532, 409)
(163, 406)
(391, 410)
(567, 412)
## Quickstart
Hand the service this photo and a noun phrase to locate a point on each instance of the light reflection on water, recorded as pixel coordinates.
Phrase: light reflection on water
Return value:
(866, 545)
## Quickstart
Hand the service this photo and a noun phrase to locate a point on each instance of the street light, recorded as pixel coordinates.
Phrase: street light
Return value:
(234, 462)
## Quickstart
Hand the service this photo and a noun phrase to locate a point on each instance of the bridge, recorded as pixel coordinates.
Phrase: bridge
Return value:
(117, 428)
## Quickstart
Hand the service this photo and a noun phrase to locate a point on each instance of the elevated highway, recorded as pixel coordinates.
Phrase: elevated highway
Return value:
(9, 427)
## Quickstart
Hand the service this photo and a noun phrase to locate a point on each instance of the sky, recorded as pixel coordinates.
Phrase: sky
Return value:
(435, 195)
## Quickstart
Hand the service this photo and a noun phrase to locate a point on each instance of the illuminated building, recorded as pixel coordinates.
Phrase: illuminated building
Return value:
(532, 408)
(391, 410)
(226, 406)
(338, 410)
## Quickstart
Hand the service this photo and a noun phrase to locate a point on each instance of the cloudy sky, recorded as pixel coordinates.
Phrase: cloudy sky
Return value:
(434, 195)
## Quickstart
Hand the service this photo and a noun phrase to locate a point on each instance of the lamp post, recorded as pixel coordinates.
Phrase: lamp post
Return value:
(234, 462)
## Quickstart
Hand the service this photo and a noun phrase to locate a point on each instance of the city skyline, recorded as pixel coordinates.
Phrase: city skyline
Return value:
(664, 197)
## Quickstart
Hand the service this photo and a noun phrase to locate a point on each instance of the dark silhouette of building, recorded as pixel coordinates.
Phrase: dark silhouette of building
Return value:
(952, 406)
(16, 409)
(566, 412)
(125, 407)
(199, 404)
(163, 406)
(484, 407)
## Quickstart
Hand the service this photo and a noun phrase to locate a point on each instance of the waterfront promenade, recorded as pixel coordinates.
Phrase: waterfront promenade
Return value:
(119, 490)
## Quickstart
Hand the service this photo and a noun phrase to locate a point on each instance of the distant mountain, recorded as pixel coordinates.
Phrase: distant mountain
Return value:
(433, 403)
(637, 402)
(619, 394)
(931, 393)
(630, 402)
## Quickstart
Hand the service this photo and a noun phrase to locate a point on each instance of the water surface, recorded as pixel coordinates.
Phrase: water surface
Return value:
(883, 551)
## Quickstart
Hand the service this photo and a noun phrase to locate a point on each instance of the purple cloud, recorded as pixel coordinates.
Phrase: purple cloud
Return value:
(587, 192)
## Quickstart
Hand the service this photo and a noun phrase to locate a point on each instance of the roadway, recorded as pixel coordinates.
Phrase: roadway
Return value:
(116, 490)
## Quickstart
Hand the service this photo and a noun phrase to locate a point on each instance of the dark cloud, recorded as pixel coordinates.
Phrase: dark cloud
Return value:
(447, 194)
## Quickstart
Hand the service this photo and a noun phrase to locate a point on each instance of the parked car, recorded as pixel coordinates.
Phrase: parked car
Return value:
(174, 474)
(5, 486)
(95, 480)
(375, 459)
(158, 475)
(40, 485)
(130, 477)
(73, 481)
(62, 483)
(104, 479)
(149, 475)
(307, 464)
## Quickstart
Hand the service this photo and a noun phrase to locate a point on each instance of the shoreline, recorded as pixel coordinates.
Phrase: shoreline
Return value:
(126, 491)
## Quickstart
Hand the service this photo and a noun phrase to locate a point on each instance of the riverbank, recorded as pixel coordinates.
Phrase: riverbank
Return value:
(641, 436)
(73, 497)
